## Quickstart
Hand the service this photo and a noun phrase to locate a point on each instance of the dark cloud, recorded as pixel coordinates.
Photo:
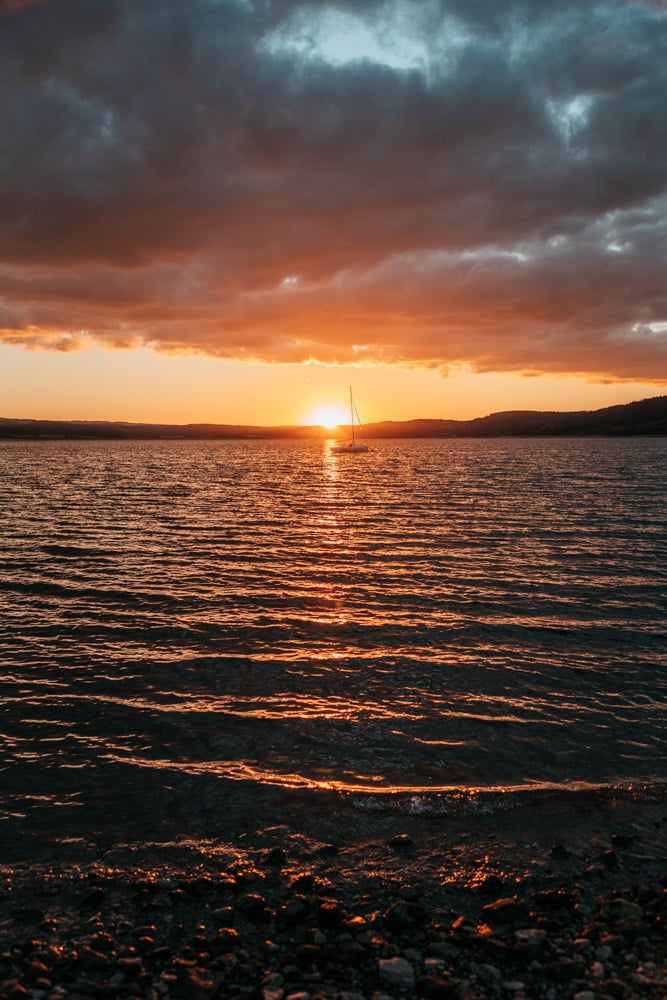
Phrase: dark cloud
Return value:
(213, 176)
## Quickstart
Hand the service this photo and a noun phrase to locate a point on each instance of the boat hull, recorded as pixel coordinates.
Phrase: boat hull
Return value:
(348, 449)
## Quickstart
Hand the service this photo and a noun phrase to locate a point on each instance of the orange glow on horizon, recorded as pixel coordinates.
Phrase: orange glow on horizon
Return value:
(329, 416)
(143, 386)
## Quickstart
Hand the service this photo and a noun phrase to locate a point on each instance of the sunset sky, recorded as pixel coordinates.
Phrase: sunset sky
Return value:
(230, 210)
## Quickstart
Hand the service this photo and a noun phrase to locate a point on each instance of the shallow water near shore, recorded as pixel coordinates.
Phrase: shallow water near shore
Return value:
(200, 636)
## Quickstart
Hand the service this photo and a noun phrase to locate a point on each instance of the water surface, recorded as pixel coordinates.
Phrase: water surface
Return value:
(436, 625)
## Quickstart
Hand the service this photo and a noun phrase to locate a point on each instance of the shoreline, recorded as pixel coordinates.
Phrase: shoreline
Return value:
(508, 905)
(641, 417)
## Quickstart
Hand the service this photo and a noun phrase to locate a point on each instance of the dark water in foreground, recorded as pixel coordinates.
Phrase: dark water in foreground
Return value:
(435, 627)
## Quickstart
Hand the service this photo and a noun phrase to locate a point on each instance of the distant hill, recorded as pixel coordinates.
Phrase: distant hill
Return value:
(648, 416)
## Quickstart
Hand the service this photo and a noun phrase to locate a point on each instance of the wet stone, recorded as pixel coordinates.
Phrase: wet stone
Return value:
(303, 882)
(396, 972)
(514, 986)
(295, 909)
(247, 876)
(13, 990)
(403, 915)
(102, 940)
(506, 913)
(526, 950)
(434, 987)
(34, 970)
(444, 950)
(564, 971)
(275, 856)
(622, 909)
(130, 965)
(402, 843)
(307, 954)
(225, 940)
(89, 987)
(94, 960)
(491, 885)
(613, 987)
(352, 952)
(252, 905)
(224, 915)
(327, 851)
(330, 912)
(553, 899)
(604, 953)
(198, 886)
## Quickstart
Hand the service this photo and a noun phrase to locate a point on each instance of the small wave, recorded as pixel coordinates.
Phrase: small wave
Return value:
(449, 800)
(484, 801)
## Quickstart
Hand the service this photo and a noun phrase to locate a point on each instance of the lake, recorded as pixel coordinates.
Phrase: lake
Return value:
(438, 627)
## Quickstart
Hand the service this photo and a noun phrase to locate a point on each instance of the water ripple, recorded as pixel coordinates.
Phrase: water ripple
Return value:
(436, 618)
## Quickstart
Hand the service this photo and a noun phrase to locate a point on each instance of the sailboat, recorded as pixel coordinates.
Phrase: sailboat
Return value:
(352, 447)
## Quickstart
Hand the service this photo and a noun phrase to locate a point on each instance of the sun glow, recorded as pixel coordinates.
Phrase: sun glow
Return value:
(328, 416)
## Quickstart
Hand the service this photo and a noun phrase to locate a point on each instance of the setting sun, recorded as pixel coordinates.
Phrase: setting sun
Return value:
(328, 416)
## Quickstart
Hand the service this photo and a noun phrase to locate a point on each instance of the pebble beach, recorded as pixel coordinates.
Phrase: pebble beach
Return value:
(549, 907)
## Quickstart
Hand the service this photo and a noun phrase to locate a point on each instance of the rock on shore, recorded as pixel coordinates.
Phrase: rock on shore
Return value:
(271, 928)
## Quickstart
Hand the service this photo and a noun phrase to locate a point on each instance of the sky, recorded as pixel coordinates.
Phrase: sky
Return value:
(231, 210)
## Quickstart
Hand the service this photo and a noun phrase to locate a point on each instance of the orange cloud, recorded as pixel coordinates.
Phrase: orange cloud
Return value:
(200, 179)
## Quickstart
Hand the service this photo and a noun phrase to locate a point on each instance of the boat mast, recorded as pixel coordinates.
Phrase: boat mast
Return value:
(351, 415)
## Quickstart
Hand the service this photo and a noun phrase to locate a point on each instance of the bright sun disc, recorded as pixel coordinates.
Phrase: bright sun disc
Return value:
(328, 416)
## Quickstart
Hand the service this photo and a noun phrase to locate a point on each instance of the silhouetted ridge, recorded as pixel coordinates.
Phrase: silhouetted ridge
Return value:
(646, 416)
